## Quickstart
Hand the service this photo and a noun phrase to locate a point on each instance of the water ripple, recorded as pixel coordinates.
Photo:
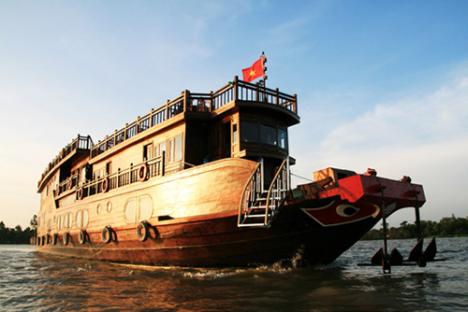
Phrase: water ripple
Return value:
(32, 281)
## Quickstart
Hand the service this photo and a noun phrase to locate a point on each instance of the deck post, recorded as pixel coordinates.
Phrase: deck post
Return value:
(151, 118)
(257, 97)
(163, 160)
(295, 103)
(186, 96)
(212, 107)
(236, 88)
(167, 109)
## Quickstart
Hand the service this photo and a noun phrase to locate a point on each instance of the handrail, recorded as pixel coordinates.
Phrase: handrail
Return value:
(281, 169)
(124, 177)
(248, 185)
(67, 184)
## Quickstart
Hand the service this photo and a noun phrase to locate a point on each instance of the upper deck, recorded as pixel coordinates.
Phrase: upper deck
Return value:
(235, 94)
(78, 144)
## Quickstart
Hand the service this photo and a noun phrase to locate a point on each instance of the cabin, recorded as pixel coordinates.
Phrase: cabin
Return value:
(239, 120)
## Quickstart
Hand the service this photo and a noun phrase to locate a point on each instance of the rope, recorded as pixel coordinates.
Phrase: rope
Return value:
(301, 177)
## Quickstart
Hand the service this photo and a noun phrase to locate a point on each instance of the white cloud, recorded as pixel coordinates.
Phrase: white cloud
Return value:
(425, 137)
(440, 115)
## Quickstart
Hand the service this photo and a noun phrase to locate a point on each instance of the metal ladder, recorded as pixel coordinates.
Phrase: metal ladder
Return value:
(259, 206)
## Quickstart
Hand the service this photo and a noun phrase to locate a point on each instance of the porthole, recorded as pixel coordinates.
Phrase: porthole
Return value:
(98, 209)
(109, 207)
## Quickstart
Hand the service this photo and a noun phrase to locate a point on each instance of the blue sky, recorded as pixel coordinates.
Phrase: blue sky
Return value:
(380, 84)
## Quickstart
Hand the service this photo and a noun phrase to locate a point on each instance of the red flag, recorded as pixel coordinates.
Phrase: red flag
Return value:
(255, 71)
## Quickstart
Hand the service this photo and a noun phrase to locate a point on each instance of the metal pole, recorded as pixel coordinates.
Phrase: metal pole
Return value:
(418, 223)
(386, 268)
(421, 260)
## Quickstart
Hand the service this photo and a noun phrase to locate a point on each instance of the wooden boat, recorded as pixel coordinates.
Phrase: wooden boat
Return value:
(204, 180)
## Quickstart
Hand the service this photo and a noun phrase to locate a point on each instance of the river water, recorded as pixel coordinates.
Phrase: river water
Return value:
(34, 282)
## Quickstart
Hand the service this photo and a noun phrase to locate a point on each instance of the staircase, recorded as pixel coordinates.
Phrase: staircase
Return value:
(259, 206)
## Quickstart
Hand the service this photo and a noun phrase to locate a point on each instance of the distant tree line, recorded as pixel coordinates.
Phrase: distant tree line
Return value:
(450, 226)
(15, 235)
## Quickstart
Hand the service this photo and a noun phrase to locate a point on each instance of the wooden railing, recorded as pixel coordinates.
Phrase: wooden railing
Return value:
(256, 93)
(199, 102)
(124, 177)
(252, 191)
(67, 184)
(279, 187)
(259, 206)
(80, 142)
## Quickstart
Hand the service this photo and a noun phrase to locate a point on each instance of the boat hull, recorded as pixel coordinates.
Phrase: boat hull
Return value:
(219, 242)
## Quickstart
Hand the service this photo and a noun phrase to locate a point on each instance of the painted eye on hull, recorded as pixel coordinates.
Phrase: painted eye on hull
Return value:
(346, 210)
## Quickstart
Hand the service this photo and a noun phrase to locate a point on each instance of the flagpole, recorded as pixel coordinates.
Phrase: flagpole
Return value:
(263, 56)
(264, 59)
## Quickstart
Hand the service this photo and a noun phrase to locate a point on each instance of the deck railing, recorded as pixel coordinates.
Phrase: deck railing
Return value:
(80, 142)
(123, 177)
(199, 102)
(67, 184)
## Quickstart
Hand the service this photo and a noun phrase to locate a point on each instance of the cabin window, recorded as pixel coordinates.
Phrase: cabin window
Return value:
(234, 134)
(261, 133)
(148, 152)
(178, 147)
(170, 152)
(109, 206)
(83, 174)
(98, 209)
(268, 135)
(108, 168)
(162, 148)
(249, 131)
(283, 138)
